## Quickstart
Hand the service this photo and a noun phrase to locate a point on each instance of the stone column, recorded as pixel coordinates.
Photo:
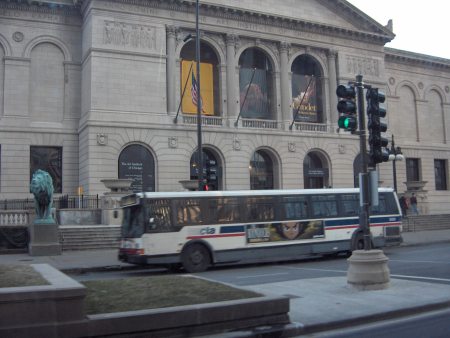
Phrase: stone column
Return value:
(284, 79)
(231, 81)
(332, 82)
(170, 68)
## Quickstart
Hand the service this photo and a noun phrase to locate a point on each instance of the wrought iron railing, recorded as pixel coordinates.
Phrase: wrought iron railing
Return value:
(60, 202)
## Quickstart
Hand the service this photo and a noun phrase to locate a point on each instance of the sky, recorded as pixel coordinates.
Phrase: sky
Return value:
(420, 27)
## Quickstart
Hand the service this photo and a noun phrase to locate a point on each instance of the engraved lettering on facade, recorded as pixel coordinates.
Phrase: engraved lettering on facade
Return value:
(363, 66)
(36, 15)
(129, 35)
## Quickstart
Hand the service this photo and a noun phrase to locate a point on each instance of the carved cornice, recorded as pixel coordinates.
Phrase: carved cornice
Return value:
(373, 32)
(416, 59)
(66, 7)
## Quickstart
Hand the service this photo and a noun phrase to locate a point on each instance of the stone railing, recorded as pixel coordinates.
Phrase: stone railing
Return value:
(15, 217)
(260, 124)
(206, 120)
(311, 127)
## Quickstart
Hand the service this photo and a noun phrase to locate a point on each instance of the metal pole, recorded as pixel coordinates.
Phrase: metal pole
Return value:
(394, 168)
(364, 221)
(199, 110)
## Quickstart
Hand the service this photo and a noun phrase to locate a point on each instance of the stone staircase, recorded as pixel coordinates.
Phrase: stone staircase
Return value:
(426, 222)
(89, 237)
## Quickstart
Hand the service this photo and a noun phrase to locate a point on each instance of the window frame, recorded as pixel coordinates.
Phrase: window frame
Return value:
(57, 181)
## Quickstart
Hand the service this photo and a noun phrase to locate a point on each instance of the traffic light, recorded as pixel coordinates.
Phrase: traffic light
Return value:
(375, 112)
(347, 108)
(211, 174)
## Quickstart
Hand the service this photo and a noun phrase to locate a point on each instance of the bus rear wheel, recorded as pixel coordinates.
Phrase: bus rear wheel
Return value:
(195, 258)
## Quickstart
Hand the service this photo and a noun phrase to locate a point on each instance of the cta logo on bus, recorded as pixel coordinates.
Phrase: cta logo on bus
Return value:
(207, 231)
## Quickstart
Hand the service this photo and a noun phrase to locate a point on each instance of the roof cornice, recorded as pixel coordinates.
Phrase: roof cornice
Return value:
(411, 58)
(372, 31)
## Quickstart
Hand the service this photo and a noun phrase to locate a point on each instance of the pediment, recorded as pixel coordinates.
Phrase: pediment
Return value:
(332, 13)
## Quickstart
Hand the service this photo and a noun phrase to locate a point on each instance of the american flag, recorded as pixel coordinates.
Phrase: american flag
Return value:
(194, 91)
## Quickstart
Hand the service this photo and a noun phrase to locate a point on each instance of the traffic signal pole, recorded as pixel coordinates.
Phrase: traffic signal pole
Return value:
(368, 268)
(364, 175)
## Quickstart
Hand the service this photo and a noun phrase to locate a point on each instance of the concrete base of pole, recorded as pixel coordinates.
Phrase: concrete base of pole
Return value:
(368, 270)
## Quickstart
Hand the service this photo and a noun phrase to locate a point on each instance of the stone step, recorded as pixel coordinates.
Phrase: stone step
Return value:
(89, 237)
(426, 222)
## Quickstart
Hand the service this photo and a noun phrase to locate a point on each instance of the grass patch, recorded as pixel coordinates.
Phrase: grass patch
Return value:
(138, 293)
(20, 275)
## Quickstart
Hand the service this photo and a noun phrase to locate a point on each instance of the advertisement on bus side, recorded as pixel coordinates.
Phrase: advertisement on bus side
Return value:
(285, 231)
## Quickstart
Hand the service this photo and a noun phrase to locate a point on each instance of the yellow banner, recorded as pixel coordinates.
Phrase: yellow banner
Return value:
(206, 87)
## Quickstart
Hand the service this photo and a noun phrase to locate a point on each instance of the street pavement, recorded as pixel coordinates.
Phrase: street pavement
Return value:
(316, 304)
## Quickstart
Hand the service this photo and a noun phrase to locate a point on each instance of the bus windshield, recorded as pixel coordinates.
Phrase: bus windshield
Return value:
(133, 222)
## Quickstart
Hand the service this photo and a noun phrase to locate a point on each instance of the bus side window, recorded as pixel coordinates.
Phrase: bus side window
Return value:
(295, 207)
(158, 218)
(382, 207)
(324, 206)
(349, 205)
(228, 210)
(189, 212)
(260, 209)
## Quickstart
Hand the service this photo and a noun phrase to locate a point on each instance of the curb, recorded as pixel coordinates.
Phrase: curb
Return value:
(80, 271)
(373, 318)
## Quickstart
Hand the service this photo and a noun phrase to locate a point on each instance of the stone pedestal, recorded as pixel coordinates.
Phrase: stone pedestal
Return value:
(368, 270)
(110, 201)
(44, 240)
(190, 185)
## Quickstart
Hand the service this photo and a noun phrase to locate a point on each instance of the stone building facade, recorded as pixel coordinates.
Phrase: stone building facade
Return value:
(93, 89)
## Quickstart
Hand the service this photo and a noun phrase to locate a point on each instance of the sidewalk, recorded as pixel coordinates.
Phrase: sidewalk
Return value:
(315, 304)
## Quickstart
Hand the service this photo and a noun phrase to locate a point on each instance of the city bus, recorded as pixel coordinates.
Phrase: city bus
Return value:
(198, 229)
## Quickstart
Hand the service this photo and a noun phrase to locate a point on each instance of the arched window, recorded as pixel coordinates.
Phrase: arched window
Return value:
(307, 94)
(315, 171)
(212, 169)
(209, 79)
(256, 85)
(136, 162)
(47, 83)
(261, 171)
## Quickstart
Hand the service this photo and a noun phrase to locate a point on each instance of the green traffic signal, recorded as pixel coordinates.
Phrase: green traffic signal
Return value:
(348, 123)
(347, 107)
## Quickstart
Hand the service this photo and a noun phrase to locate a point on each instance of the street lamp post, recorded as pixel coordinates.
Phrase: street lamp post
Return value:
(395, 154)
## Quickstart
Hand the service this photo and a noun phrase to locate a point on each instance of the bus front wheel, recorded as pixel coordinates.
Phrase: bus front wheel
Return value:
(196, 258)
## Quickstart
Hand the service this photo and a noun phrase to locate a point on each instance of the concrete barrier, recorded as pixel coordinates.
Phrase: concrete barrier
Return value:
(56, 310)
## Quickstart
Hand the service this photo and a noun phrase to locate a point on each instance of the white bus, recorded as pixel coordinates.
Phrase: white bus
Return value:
(197, 229)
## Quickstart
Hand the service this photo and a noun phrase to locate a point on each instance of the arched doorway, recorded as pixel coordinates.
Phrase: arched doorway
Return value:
(212, 169)
(315, 171)
(137, 162)
(261, 171)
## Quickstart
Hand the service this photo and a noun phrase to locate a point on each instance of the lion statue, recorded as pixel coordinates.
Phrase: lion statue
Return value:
(41, 187)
